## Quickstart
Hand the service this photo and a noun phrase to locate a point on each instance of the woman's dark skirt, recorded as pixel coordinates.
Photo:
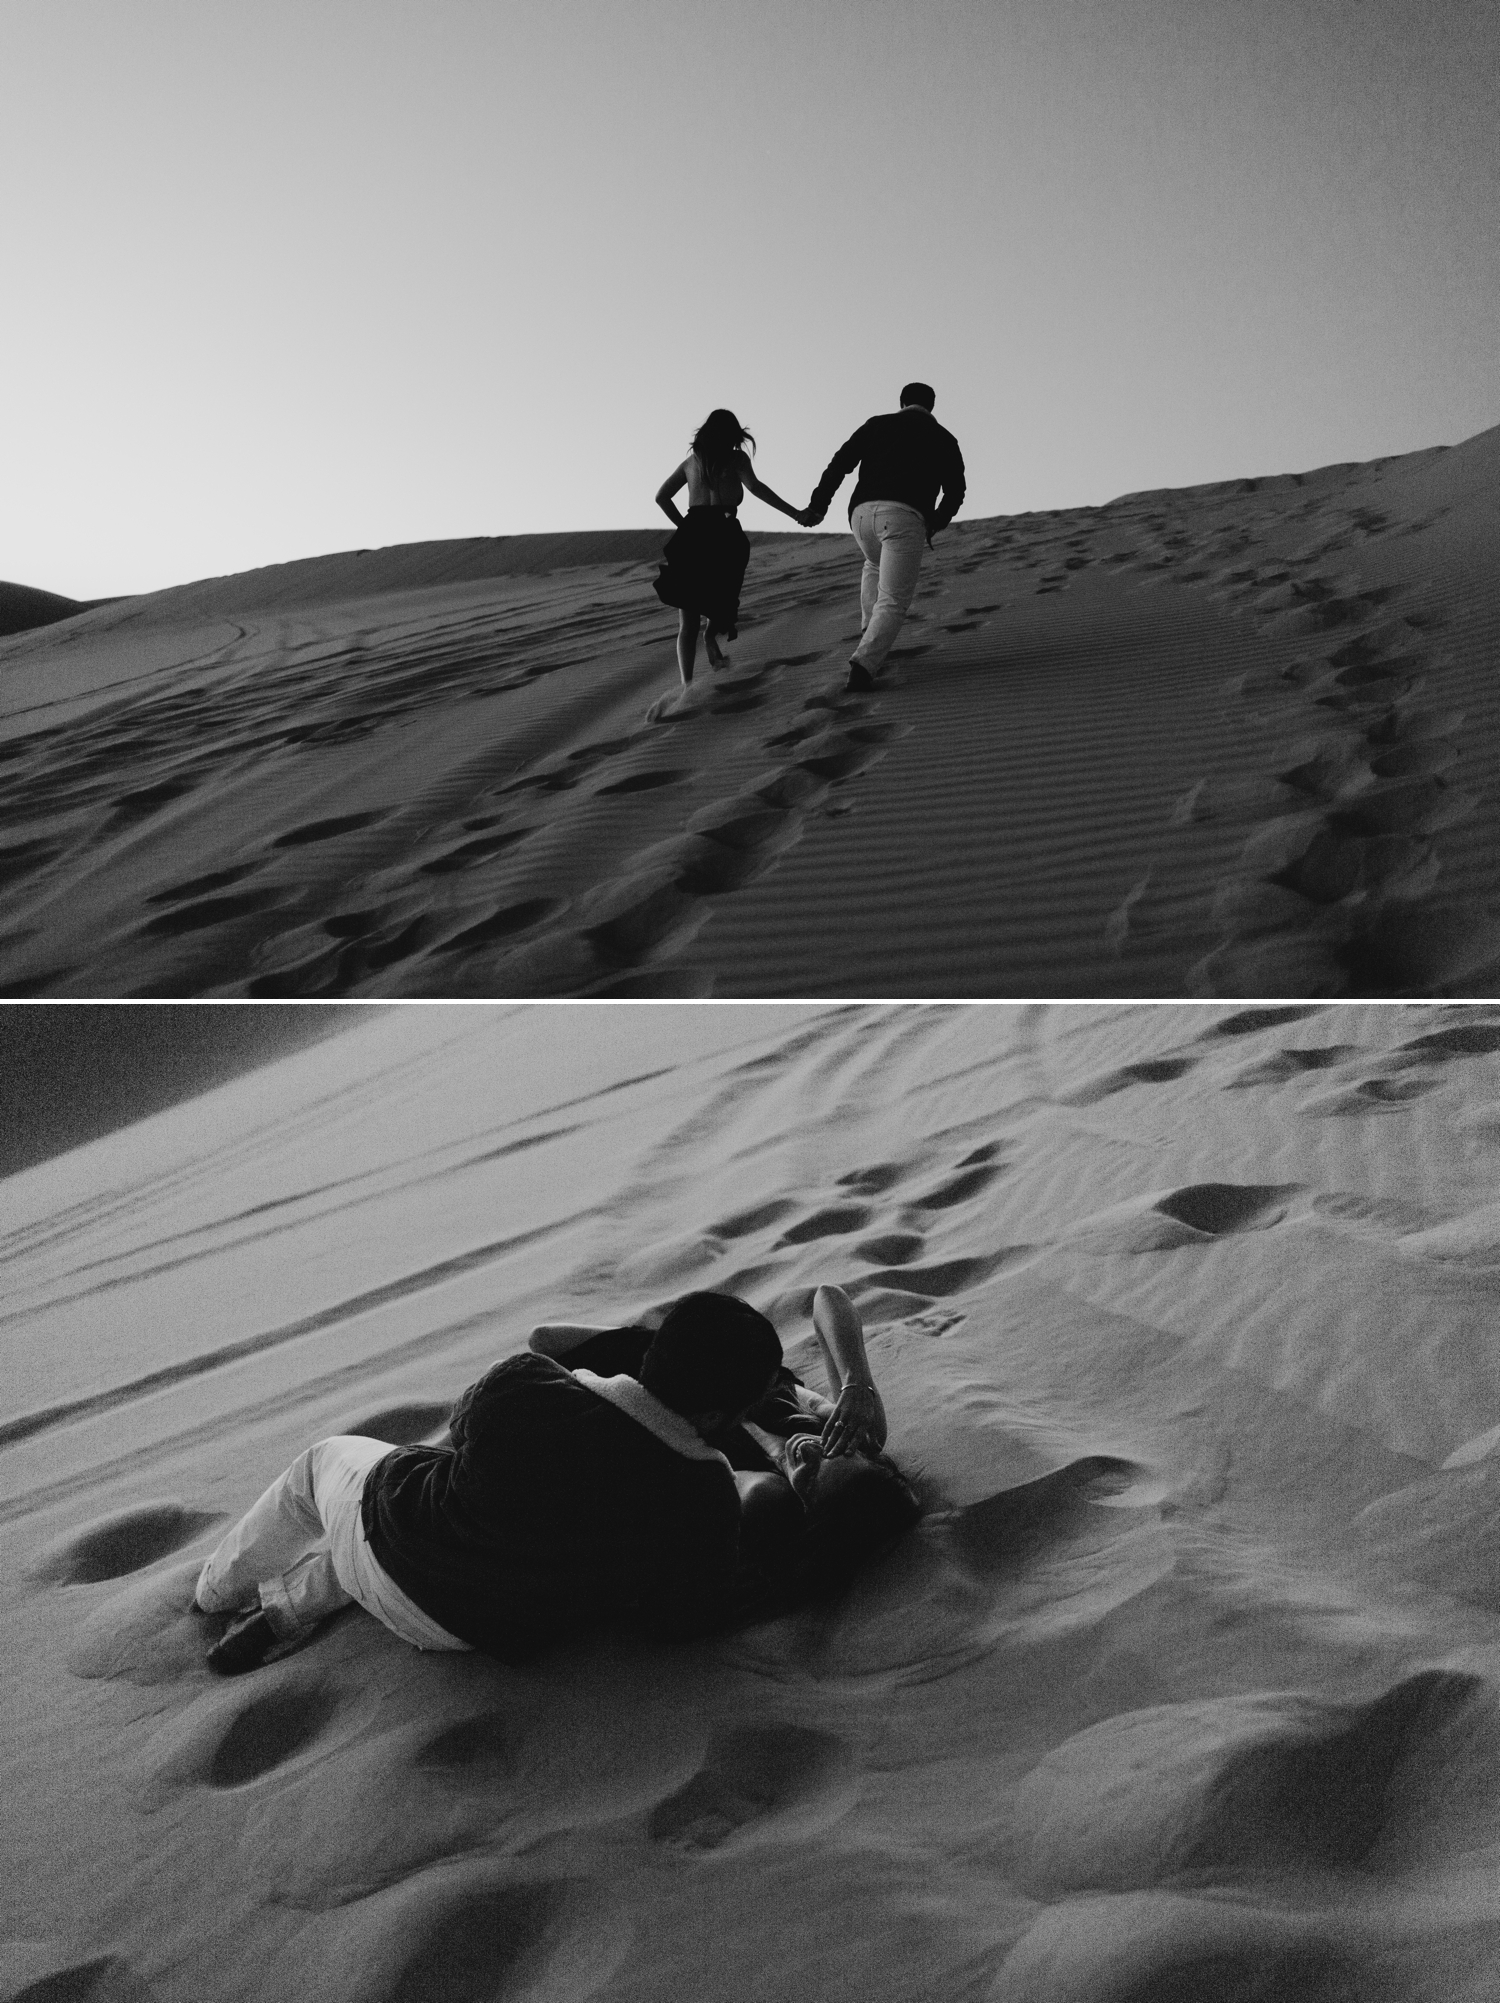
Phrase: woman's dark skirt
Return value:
(704, 568)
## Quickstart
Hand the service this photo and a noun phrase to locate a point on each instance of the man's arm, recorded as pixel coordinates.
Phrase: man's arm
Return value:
(838, 469)
(953, 492)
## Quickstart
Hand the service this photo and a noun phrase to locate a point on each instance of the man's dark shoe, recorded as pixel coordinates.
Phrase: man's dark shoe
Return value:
(860, 678)
(243, 1646)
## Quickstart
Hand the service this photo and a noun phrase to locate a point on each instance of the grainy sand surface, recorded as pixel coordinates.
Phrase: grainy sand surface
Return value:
(1187, 1686)
(1235, 740)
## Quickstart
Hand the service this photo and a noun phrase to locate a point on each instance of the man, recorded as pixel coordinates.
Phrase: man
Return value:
(562, 1499)
(905, 459)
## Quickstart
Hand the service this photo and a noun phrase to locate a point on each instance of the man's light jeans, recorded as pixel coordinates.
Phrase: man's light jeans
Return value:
(302, 1549)
(892, 537)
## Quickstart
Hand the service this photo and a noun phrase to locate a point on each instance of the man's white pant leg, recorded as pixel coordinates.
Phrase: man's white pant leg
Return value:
(301, 1550)
(271, 1536)
(281, 1552)
(891, 537)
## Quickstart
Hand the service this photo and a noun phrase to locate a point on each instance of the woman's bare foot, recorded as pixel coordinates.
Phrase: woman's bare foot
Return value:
(674, 702)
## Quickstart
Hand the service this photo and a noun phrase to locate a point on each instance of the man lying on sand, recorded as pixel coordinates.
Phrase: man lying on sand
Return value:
(690, 1486)
(905, 458)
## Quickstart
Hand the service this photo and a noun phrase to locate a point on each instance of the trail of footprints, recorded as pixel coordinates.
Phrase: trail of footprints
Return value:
(244, 922)
(1348, 847)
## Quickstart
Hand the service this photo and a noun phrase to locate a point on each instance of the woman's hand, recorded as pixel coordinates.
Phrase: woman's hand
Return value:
(858, 1421)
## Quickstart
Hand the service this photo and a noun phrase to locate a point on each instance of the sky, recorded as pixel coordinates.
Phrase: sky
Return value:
(71, 1072)
(312, 275)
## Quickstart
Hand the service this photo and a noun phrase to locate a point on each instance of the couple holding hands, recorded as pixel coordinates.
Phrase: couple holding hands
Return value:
(905, 460)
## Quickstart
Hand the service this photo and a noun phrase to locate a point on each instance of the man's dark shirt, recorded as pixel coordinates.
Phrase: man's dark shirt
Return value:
(550, 1511)
(904, 455)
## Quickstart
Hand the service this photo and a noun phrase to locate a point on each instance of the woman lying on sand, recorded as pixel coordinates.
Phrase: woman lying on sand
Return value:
(694, 1484)
(705, 561)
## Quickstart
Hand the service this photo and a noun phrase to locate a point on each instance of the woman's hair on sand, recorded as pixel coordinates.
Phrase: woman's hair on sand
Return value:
(712, 1353)
(718, 438)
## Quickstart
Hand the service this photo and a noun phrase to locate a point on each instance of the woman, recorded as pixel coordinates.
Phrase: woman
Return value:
(705, 560)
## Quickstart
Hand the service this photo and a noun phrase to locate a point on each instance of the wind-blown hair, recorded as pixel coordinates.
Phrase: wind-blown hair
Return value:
(712, 1353)
(717, 439)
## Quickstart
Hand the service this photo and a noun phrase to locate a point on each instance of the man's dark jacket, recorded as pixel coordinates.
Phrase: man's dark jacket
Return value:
(551, 1510)
(904, 455)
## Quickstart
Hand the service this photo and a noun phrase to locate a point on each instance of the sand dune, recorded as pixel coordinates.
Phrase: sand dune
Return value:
(1230, 740)
(1187, 1686)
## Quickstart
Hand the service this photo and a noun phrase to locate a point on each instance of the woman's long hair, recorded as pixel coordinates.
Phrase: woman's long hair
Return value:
(717, 439)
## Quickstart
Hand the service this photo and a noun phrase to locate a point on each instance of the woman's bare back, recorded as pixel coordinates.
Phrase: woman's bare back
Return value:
(724, 489)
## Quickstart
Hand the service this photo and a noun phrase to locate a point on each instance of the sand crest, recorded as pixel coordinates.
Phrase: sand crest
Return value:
(1228, 740)
(1187, 1685)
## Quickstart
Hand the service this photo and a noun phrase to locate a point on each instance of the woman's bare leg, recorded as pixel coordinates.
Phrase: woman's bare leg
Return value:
(687, 644)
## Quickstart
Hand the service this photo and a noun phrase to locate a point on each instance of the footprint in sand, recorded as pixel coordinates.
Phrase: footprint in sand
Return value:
(745, 1223)
(267, 1733)
(837, 1221)
(1228, 1787)
(140, 805)
(891, 1248)
(37, 1971)
(1152, 1071)
(1196, 1214)
(758, 1784)
(1291, 1063)
(238, 1743)
(126, 1541)
(1384, 1217)
(874, 1180)
(468, 855)
(476, 1752)
(467, 1935)
(200, 886)
(975, 1174)
(326, 831)
(207, 912)
(1469, 1039)
(505, 923)
(947, 1276)
(147, 1634)
(1367, 1097)
(1166, 1947)
(643, 782)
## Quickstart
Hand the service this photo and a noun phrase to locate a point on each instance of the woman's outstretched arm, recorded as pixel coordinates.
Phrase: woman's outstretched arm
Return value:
(764, 493)
(858, 1415)
(673, 484)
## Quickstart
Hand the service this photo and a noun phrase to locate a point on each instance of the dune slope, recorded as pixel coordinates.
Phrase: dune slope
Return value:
(1232, 740)
(1187, 1685)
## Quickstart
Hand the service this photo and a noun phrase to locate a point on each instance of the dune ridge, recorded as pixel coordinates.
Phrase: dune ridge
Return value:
(1227, 740)
(1187, 1684)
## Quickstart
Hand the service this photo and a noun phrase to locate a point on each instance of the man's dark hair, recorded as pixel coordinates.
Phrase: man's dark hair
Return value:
(921, 393)
(712, 1353)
